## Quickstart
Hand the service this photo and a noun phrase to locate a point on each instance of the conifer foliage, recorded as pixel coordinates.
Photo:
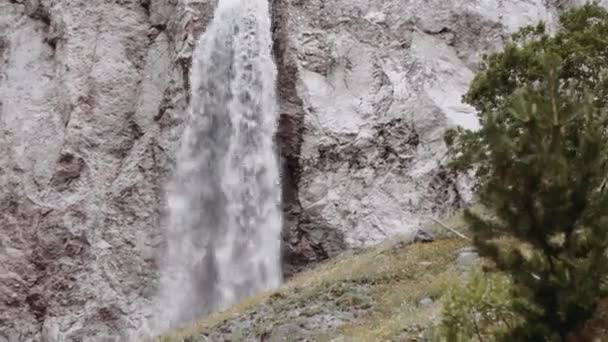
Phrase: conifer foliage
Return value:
(541, 161)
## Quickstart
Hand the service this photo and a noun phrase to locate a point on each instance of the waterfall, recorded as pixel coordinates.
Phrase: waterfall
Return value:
(224, 223)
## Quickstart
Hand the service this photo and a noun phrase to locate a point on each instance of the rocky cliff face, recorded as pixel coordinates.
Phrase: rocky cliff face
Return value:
(92, 94)
(368, 87)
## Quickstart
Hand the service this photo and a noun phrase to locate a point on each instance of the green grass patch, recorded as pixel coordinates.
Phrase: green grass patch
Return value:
(365, 296)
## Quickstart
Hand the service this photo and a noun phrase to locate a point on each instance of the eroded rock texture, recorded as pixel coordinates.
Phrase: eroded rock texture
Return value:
(368, 88)
(92, 94)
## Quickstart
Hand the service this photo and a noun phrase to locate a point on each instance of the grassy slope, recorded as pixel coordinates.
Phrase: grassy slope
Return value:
(367, 295)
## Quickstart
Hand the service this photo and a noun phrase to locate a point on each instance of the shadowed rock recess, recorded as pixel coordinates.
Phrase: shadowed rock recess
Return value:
(93, 94)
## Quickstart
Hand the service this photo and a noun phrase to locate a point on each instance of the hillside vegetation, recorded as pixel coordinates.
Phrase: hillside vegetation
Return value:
(390, 292)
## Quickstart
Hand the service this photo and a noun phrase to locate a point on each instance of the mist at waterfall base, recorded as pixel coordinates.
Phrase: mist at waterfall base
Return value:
(224, 223)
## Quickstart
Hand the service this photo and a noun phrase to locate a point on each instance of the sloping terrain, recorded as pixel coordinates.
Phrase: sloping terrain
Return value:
(390, 292)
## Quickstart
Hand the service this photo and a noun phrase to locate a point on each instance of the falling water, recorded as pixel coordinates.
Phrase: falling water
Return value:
(225, 218)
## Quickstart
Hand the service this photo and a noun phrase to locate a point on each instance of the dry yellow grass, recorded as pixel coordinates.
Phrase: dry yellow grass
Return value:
(394, 277)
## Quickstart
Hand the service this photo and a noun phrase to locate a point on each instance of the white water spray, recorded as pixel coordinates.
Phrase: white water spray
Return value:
(225, 217)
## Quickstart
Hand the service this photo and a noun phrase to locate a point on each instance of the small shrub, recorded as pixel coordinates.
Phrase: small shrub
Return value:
(481, 309)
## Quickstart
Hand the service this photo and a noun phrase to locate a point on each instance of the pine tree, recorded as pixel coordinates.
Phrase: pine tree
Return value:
(541, 160)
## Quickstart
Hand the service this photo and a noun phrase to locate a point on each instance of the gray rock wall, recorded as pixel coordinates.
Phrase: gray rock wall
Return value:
(92, 94)
(372, 85)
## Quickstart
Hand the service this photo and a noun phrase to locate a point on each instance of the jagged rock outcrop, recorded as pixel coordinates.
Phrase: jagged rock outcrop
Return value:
(367, 89)
(92, 94)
